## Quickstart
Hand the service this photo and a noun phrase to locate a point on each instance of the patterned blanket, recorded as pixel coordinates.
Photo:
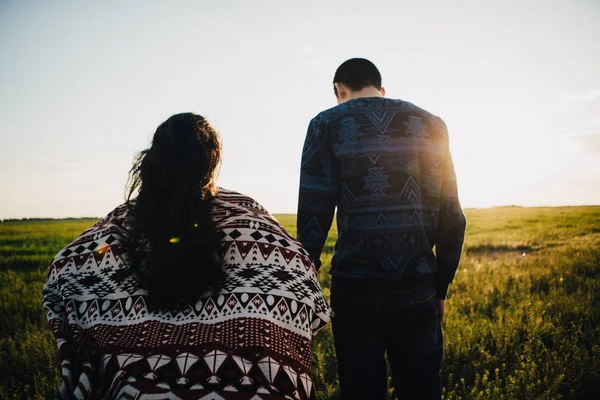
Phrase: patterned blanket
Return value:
(251, 340)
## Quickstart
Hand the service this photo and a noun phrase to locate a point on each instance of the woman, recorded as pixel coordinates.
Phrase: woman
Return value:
(186, 291)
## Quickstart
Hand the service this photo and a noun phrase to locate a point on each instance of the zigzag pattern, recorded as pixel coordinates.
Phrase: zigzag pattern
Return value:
(249, 340)
(381, 120)
(394, 177)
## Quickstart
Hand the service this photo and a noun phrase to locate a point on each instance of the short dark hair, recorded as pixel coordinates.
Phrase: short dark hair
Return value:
(357, 73)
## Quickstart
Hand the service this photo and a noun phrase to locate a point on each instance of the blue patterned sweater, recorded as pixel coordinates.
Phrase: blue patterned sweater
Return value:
(386, 166)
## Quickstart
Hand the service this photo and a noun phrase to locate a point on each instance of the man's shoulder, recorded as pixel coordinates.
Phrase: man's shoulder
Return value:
(414, 109)
(326, 115)
(354, 106)
(374, 104)
(431, 120)
(380, 105)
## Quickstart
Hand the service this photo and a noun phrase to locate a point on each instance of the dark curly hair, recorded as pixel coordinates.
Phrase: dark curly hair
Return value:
(172, 241)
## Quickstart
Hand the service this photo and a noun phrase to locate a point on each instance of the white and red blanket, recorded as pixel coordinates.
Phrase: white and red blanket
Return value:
(251, 340)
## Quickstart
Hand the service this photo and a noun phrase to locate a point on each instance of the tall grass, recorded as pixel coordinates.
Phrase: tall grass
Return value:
(523, 314)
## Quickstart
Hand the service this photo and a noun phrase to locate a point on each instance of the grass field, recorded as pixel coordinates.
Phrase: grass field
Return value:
(523, 315)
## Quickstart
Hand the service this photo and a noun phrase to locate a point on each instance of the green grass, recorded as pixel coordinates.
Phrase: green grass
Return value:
(523, 315)
(28, 367)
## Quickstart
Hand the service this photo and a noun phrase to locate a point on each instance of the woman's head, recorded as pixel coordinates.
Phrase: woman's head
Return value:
(184, 155)
(173, 242)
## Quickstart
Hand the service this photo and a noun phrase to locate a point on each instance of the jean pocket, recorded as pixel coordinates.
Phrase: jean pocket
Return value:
(424, 315)
(348, 308)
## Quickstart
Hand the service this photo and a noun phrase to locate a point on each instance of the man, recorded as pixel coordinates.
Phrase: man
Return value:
(386, 166)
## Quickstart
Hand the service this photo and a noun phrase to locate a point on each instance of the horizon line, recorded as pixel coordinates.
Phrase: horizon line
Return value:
(288, 213)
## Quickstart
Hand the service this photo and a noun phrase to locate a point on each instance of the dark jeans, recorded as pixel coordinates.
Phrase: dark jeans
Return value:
(372, 318)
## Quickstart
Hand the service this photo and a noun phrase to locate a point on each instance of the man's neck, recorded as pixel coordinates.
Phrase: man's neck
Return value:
(365, 92)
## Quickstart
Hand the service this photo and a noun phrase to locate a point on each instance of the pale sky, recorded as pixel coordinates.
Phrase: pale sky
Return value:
(84, 84)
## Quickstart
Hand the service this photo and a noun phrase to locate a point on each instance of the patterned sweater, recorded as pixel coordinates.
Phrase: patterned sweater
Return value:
(250, 340)
(386, 166)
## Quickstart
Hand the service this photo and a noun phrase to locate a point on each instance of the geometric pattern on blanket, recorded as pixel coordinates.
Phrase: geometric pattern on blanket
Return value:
(252, 339)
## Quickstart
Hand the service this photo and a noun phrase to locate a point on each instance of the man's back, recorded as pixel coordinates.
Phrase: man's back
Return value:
(385, 164)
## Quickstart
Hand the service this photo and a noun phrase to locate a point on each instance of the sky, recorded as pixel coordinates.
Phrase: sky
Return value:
(84, 84)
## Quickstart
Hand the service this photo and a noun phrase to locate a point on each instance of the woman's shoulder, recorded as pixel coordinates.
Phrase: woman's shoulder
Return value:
(247, 220)
(236, 199)
(108, 233)
(229, 204)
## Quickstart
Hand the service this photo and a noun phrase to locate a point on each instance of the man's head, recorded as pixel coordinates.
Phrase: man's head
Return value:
(355, 78)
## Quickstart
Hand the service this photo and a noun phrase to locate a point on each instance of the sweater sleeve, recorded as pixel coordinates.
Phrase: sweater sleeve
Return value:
(73, 372)
(318, 190)
(451, 230)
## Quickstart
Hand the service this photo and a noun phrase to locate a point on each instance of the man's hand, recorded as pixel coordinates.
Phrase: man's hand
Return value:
(441, 305)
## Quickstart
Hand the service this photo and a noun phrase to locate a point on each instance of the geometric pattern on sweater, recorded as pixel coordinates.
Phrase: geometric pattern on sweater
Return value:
(385, 167)
(257, 329)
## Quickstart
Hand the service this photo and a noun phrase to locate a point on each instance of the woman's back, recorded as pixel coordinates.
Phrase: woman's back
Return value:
(251, 338)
